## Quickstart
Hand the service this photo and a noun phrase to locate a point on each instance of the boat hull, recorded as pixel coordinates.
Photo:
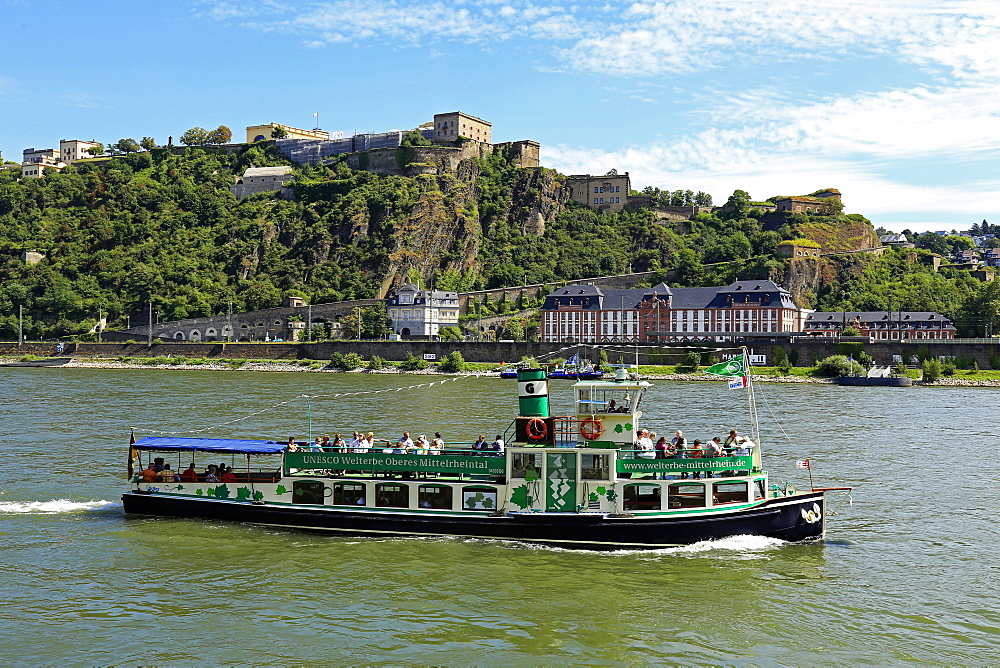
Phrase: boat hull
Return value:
(862, 381)
(794, 518)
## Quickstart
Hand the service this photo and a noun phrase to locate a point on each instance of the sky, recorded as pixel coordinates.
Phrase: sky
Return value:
(896, 103)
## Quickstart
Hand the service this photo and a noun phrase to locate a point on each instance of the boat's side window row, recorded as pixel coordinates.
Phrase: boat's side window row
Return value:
(398, 495)
(687, 494)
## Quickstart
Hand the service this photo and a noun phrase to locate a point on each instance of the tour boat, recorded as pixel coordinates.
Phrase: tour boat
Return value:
(575, 481)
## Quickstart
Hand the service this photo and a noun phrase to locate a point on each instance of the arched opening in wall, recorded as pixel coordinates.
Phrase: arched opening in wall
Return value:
(277, 323)
(405, 331)
(259, 138)
(260, 324)
(179, 336)
(195, 335)
(211, 335)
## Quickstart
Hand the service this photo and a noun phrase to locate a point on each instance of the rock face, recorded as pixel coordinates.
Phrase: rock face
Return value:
(442, 227)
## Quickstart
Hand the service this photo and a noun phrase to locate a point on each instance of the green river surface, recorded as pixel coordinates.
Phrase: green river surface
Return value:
(908, 573)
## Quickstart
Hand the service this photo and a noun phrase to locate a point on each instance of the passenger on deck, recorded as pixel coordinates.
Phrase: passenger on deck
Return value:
(355, 443)
(158, 464)
(228, 476)
(612, 407)
(338, 444)
(697, 451)
(368, 441)
(404, 445)
(292, 445)
(662, 448)
(189, 474)
(423, 445)
(166, 475)
(480, 446)
(437, 444)
(644, 446)
(497, 446)
(325, 443)
(315, 447)
(731, 439)
(212, 473)
(149, 474)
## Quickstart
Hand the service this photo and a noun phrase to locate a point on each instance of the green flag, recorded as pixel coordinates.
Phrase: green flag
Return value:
(730, 368)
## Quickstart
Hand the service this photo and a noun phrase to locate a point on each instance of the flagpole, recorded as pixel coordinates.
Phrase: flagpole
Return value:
(750, 396)
(810, 469)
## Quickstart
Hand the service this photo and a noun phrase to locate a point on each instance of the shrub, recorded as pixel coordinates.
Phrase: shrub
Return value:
(931, 370)
(690, 363)
(837, 365)
(948, 368)
(994, 359)
(413, 363)
(453, 362)
(350, 361)
(376, 363)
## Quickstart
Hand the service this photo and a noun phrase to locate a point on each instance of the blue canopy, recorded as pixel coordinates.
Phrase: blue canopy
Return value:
(228, 445)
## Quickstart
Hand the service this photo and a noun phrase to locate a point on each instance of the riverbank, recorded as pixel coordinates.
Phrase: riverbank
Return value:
(483, 370)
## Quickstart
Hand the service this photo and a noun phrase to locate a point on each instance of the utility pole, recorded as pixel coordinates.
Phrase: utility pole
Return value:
(100, 314)
(309, 323)
(149, 327)
(20, 325)
(229, 322)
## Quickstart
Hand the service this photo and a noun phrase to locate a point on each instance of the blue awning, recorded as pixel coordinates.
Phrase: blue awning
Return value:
(228, 445)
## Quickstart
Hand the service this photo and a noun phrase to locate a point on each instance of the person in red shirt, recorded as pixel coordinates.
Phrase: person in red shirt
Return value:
(189, 474)
(228, 475)
(149, 474)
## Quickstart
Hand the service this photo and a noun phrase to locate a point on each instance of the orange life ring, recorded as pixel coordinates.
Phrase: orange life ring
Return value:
(536, 429)
(591, 429)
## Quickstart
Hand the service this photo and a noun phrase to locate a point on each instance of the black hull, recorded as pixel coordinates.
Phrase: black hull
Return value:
(862, 381)
(784, 518)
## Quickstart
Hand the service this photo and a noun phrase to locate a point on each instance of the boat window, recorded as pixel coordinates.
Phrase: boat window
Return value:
(641, 497)
(595, 467)
(434, 496)
(686, 495)
(308, 491)
(392, 496)
(349, 495)
(729, 492)
(525, 462)
(759, 489)
(479, 498)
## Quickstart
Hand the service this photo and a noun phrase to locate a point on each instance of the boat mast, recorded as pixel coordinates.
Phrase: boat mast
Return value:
(752, 401)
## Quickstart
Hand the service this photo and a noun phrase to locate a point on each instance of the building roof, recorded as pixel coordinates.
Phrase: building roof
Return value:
(838, 317)
(267, 171)
(765, 293)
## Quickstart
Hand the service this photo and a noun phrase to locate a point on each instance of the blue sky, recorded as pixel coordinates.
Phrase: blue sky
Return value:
(893, 102)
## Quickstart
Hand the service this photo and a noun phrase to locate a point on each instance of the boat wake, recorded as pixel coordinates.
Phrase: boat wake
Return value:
(54, 507)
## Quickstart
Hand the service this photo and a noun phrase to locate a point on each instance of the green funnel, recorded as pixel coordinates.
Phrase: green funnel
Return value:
(532, 393)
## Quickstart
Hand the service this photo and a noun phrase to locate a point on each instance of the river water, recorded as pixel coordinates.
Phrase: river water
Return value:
(908, 572)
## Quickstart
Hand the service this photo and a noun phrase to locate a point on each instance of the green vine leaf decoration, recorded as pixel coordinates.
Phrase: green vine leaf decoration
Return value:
(280, 490)
(199, 492)
(243, 493)
(222, 491)
(258, 495)
(520, 497)
(531, 475)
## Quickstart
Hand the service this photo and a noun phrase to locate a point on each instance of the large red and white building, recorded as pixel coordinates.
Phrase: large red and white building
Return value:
(882, 325)
(588, 314)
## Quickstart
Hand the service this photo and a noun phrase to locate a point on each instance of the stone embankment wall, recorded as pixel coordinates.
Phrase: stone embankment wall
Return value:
(808, 350)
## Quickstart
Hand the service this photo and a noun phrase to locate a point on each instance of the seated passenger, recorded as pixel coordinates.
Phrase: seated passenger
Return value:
(696, 451)
(437, 445)
(339, 445)
(228, 476)
(166, 475)
(731, 439)
(189, 474)
(292, 445)
(480, 446)
(404, 445)
(612, 407)
(644, 446)
(423, 445)
(325, 444)
(158, 464)
(149, 474)
(211, 474)
(497, 447)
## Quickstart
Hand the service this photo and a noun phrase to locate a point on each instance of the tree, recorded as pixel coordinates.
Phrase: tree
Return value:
(148, 143)
(219, 136)
(196, 136)
(127, 146)
(96, 150)
(450, 334)
(738, 205)
(279, 132)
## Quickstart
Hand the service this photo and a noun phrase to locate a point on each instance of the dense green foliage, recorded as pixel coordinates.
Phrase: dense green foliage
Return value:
(161, 226)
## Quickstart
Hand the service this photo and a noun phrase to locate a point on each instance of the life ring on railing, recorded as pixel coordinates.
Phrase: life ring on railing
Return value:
(591, 429)
(536, 429)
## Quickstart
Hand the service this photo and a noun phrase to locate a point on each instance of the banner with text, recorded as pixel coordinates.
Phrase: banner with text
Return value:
(380, 461)
(743, 463)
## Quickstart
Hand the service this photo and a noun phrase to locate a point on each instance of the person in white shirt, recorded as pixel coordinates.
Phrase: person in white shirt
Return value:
(404, 444)
(498, 446)
(644, 445)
